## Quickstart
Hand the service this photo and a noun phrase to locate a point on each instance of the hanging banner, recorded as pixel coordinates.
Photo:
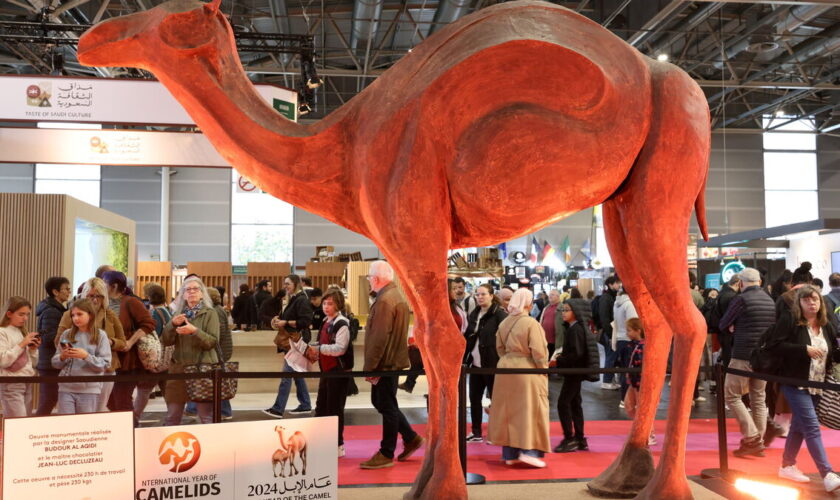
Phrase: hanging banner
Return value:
(105, 100)
(69, 456)
(107, 147)
(295, 459)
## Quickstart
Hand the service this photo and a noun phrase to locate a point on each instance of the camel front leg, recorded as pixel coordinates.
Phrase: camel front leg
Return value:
(442, 346)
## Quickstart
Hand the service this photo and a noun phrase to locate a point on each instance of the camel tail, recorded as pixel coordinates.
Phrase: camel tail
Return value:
(700, 210)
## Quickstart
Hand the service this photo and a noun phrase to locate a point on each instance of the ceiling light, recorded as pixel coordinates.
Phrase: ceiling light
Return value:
(662, 58)
(780, 113)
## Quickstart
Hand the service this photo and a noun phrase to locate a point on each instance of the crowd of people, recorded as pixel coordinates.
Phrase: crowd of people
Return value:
(105, 329)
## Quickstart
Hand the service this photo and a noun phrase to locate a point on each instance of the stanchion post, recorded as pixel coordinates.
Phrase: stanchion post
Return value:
(462, 420)
(721, 421)
(217, 395)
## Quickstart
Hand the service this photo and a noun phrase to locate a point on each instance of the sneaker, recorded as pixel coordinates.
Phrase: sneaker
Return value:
(773, 431)
(792, 473)
(227, 417)
(341, 451)
(378, 461)
(752, 446)
(621, 404)
(300, 410)
(700, 399)
(411, 447)
(831, 481)
(567, 446)
(472, 438)
(583, 445)
(406, 388)
(536, 462)
(651, 441)
(511, 462)
(272, 413)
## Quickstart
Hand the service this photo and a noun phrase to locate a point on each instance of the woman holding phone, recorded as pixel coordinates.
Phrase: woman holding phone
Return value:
(18, 354)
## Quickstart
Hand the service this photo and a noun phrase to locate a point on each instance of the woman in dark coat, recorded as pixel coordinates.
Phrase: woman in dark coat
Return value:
(808, 346)
(575, 355)
(482, 325)
(243, 309)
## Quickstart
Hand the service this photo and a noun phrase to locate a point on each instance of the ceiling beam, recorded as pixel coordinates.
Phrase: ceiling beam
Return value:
(776, 2)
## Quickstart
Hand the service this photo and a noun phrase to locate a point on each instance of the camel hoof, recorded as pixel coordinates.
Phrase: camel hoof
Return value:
(626, 476)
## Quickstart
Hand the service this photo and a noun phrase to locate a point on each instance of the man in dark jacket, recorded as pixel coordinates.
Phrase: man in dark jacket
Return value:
(386, 349)
(832, 300)
(605, 306)
(749, 315)
(263, 293)
(49, 312)
(728, 291)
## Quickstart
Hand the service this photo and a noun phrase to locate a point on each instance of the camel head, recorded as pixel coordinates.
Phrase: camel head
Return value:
(177, 32)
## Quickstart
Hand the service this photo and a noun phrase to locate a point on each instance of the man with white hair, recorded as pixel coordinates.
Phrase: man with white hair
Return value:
(386, 349)
(749, 315)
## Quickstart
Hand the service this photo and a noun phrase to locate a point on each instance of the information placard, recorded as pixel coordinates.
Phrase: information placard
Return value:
(295, 459)
(69, 456)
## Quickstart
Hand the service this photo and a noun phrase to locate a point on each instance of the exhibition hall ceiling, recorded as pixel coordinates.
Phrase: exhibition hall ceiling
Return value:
(752, 58)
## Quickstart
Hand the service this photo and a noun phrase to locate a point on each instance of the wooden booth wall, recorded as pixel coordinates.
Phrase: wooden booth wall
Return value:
(275, 272)
(33, 245)
(358, 287)
(154, 272)
(324, 274)
(213, 274)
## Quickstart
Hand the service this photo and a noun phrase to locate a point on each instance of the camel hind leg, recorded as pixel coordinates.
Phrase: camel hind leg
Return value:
(652, 212)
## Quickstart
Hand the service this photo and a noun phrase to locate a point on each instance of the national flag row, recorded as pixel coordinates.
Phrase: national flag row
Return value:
(543, 254)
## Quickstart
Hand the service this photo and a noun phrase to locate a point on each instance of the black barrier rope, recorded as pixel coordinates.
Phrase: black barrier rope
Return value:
(784, 380)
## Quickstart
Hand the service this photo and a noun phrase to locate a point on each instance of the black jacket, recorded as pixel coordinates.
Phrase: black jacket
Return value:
(485, 335)
(575, 353)
(605, 311)
(752, 312)
(299, 310)
(49, 312)
(790, 343)
(268, 310)
(244, 312)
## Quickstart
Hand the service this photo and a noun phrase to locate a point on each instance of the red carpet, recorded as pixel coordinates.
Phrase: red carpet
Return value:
(605, 441)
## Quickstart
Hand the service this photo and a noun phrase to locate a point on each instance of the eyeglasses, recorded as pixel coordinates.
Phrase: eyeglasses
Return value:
(95, 297)
(369, 276)
(192, 289)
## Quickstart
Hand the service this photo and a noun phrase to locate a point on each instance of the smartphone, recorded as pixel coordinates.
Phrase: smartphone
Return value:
(65, 345)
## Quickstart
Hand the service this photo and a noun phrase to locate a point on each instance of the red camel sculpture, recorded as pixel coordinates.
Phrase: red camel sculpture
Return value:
(434, 155)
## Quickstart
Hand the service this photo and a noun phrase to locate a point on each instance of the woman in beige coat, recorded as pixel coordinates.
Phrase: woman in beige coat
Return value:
(519, 413)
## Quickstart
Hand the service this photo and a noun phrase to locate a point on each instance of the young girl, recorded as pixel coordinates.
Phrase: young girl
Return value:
(83, 350)
(18, 352)
(636, 334)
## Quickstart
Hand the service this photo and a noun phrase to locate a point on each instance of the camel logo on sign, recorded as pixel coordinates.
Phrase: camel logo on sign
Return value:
(292, 448)
(39, 95)
(179, 451)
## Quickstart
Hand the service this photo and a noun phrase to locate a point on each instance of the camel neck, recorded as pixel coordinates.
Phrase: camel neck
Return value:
(305, 166)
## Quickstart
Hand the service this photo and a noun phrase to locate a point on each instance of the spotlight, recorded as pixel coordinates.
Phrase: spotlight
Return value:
(766, 490)
(305, 99)
(308, 73)
(780, 113)
(662, 57)
(57, 60)
(304, 108)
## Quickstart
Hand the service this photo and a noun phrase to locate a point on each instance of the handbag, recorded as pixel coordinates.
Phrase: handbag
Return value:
(828, 409)
(21, 361)
(153, 355)
(201, 389)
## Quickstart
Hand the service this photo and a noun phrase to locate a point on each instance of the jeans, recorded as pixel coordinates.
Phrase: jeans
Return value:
(47, 394)
(227, 411)
(104, 395)
(383, 395)
(144, 390)
(509, 453)
(569, 407)
(13, 399)
(332, 396)
(70, 403)
(478, 383)
(804, 426)
(735, 386)
(174, 412)
(286, 388)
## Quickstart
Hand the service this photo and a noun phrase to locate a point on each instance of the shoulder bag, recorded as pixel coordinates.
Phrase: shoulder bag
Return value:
(201, 389)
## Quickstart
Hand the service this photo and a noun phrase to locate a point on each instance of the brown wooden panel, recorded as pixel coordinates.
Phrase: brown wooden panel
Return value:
(275, 272)
(154, 272)
(213, 274)
(32, 229)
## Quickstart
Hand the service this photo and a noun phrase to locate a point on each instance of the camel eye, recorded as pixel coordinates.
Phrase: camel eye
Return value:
(188, 30)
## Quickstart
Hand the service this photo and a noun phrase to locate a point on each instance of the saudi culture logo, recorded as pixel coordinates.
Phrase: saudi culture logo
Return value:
(39, 95)
(179, 451)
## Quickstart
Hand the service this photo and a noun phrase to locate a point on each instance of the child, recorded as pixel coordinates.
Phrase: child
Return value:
(636, 334)
(18, 352)
(83, 350)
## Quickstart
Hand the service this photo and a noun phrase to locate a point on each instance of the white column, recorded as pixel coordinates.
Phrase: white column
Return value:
(164, 213)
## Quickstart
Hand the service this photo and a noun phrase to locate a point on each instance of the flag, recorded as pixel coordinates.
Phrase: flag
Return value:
(567, 250)
(586, 249)
(547, 252)
(503, 250)
(535, 251)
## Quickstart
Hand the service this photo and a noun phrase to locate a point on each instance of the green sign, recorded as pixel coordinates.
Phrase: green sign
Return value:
(731, 269)
(285, 108)
(240, 270)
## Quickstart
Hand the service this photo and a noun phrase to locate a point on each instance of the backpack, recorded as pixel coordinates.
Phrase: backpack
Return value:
(763, 359)
(596, 314)
(354, 326)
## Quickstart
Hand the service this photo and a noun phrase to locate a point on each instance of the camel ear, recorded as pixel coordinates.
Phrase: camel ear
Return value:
(213, 6)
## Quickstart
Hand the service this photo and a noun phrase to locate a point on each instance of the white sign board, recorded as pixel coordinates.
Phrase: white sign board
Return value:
(103, 100)
(69, 456)
(295, 459)
(107, 147)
